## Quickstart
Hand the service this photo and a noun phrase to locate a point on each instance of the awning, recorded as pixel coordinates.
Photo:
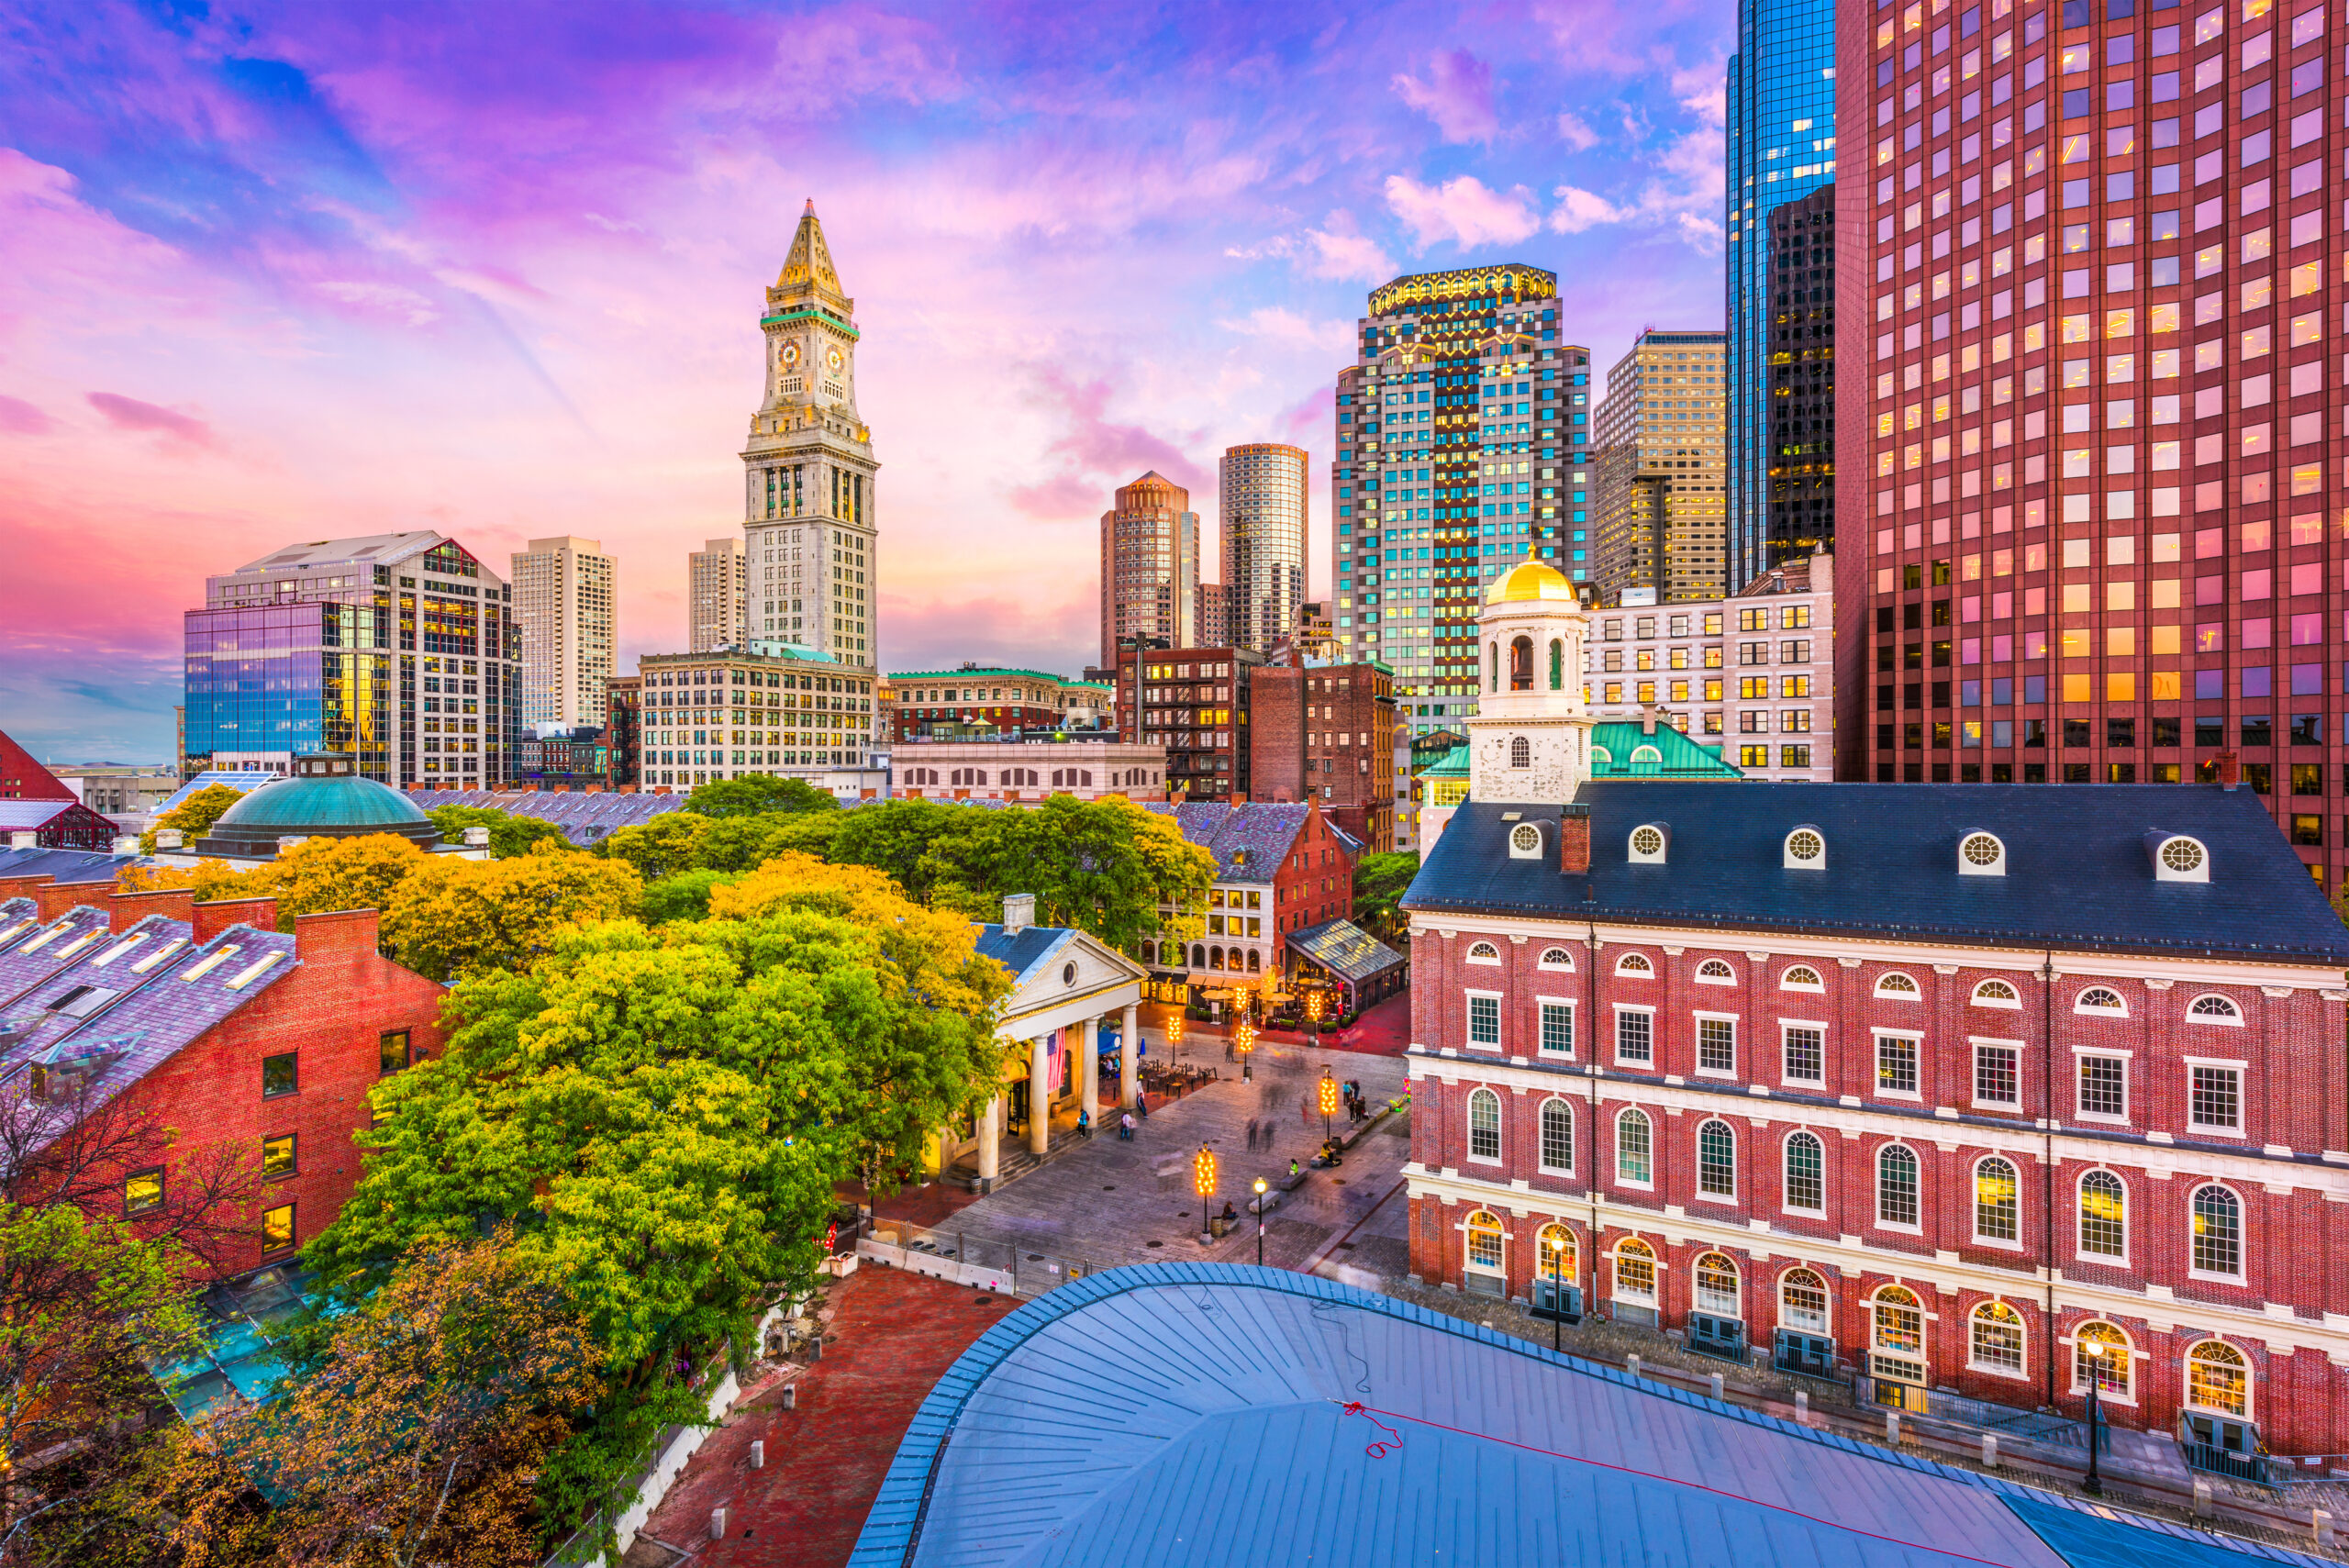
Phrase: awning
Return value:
(1346, 950)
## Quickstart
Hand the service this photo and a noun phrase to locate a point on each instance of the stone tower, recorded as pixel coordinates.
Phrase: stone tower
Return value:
(1530, 742)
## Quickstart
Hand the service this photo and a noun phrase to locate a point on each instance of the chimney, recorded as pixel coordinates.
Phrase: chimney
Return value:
(1018, 913)
(339, 936)
(211, 919)
(1647, 719)
(476, 838)
(23, 839)
(125, 910)
(2230, 768)
(125, 844)
(1574, 840)
(57, 897)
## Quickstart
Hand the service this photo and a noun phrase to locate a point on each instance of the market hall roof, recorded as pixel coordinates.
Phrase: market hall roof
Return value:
(2074, 866)
(1281, 1418)
(1346, 950)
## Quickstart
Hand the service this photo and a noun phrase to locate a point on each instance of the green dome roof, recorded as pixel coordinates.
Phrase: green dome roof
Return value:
(322, 801)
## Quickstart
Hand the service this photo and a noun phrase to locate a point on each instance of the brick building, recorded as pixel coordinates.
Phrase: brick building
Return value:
(1028, 770)
(1326, 732)
(2090, 270)
(1279, 869)
(624, 730)
(1193, 702)
(989, 701)
(232, 1033)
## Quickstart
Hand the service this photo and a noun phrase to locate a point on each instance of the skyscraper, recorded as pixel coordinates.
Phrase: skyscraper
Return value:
(1461, 435)
(1261, 512)
(1150, 566)
(563, 607)
(1781, 147)
(1658, 501)
(717, 584)
(2097, 323)
(1800, 428)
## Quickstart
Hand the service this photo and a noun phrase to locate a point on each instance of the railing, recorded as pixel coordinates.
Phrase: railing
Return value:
(986, 1261)
(2303, 1469)
(2036, 1424)
(2255, 1468)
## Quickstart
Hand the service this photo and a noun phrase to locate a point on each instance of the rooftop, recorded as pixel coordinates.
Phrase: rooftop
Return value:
(1247, 839)
(582, 817)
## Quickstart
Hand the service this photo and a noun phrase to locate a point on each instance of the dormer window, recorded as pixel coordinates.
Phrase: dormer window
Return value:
(1525, 842)
(1648, 754)
(1898, 987)
(1981, 854)
(2177, 858)
(1649, 843)
(1806, 849)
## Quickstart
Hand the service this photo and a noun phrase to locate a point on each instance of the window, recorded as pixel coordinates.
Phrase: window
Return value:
(1635, 964)
(1804, 1047)
(1557, 958)
(277, 1156)
(2214, 1100)
(1981, 854)
(1895, 1064)
(1558, 1254)
(1802, 1302)
(1800, 978)
(277, 1228)
(1484, 1242)
(2104, 1087)
(1717, 1160)
(2214, 1009)
(1635, 1271)
(2097, 999)
(1997, 994)
(2104, 1214)
(2100, 1355)
(391, 1052)
(1717, 1290)
(1484, 1124)
(1634, 1035)
(2219, 1378)
(2182, 859)
(1713, 972)
(1997, 1338)
(1896, 1187)
(2217, 1231)
(1996, 1202)
(1899, 1324)
(1520, 752)
(1484, 952)
(1557, 1029)
(1897, 987)
(1525, 839)
(1997, 1079)
(1634, 1151)
(278, 1076)
(1717, 1045)
(1647, 842)
(1806, 1173)
(1806, 849)
(1483, 1020)
(142, 1190)
(1557, 1136)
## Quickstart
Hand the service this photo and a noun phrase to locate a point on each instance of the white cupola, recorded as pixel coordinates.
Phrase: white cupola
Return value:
(1530, 742)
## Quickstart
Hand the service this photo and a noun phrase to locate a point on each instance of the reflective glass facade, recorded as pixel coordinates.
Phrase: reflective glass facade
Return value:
(1781, 147)
(280, 680)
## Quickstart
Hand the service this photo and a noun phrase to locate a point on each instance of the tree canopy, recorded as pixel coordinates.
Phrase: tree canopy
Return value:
(450, 917)
(509, 835)
(758, 795)
(1380, 882)
(194, 815)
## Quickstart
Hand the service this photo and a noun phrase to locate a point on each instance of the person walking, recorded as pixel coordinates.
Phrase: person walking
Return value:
(1125, 1127)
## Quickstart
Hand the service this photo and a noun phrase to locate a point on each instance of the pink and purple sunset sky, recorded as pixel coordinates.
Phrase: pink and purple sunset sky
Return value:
(282, 273)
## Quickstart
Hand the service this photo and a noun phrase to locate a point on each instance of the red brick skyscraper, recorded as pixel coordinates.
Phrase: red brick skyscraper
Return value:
(2089, 250)
(1150, 566)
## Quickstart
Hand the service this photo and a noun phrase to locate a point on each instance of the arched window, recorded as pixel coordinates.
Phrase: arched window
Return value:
(1997, 994)
(2217, 1231)
(1484, 1242)
(2214, 1009)
(1492, 667)
(1150, 952)
(1557, 958)
(2100, 1353)
(2098, 999)
(1713, 972)
(1635, 1270)
(2104, 1216)
(1520, 664)
(1557, 1137)
(1899, 1323)
(1717, 1290)
(1801, 978)
(1557, 664)
(1716, 1160)
(1484, 952)
(1897, 986)
(1996, 1202)
(1645, 754)
(2219, 1378)
(1806, 1173)
(1995, 1342)
(1520, 751)
(1254, 963)
(1634, 1150)
(1198, 955)
(1485, 1125)
(1803, 1301)
(1601, 758)
(1634, 964)
(1556, 1255)
(1215, 958)
(1896, 1186)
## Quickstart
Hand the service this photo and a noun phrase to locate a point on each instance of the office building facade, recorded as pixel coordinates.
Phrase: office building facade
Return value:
(770, 708)
(1798, 519)
(563, 598)
(718, 581)
(1659, 518)
(1150, 566)
(1193, 702)
(1781, 152)
(988, 702)
(1260, 514)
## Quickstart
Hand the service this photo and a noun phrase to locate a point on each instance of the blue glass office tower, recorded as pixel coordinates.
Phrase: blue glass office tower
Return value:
(1781, 147)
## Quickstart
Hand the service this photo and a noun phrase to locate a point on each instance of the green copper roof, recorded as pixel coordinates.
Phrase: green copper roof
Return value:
(345, 800)
(990, 673)
(1452, 764)
(1614, 746)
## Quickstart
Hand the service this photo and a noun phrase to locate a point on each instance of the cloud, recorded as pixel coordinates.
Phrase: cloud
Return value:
(1457, 95)
(1342, 251)
(1574, 133)
(1282, 326)
(19, 417)
(1579, 209)
(1099, 454)
(383, 299)
(1462, 210)
(130, 413)
(1703, 91)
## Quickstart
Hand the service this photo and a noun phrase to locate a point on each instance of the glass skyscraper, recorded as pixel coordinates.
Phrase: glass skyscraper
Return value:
(1781, 147)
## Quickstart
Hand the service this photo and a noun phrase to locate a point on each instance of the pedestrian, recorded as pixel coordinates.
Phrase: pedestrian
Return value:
(1125, 1127)
(1251, 1135)
(1141, 1107)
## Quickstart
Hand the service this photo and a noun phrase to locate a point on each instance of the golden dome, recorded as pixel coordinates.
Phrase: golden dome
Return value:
(1529, 579)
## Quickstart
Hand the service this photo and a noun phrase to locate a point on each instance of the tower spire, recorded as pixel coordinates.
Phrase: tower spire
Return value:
(809, 265)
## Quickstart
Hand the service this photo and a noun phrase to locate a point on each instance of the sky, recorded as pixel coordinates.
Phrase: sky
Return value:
(271, 274)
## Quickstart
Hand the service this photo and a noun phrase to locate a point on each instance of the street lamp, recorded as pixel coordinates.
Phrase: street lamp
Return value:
(1173, 1036)
(1260, 1222)
(2094, 1484)
(1203, 1182)
(1556, 1248)
(1327, 1092)
(1243, 1040)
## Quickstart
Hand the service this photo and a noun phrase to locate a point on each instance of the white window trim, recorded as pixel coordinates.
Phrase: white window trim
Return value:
(2071, 1353)
(1736, 1149)
(2128, 1221)
(1544, 964)
(1876, 1064)
(1500, 1020)
(1786, 984)
(1785, 1207)
(1879, 994)
(1492, 963)
(2128, 1099)
(2243, 1082)
(1646, 972)
(1974, 1041)
(1615, 1150)
(1975, 999)
(1701, 978)
(1616, 1043)
(2017, 1375)
(1818, 1023)
(2191, 1016)
(1575, 1142)
(2087, 1012)
(1736, 1044)
(1974, 1199)
(2243, 1246)
(2250, 1382)
(1876, 1196)
(1574, 1031)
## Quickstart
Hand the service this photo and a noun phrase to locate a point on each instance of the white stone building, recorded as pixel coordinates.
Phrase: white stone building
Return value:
(563, 592)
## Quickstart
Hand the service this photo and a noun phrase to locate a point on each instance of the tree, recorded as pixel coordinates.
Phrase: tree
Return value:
(758, 795)
(417, 1436)
(312, 877)
(454, 917)
(194, 815)
(660, 848)
(508, 835)
(684, 896)
(1380, 882)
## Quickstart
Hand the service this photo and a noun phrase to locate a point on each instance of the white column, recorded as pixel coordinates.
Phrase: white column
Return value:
(991, 1141)
(1088, 1045)
(1129, 1046)
(1040, 1102)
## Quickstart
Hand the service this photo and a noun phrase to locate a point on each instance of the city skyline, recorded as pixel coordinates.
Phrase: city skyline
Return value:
(382, 293)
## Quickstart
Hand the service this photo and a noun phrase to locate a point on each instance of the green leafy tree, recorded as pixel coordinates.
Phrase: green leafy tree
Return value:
(928, 848)
(508, 835)
(758, 795)
(194, 815)
(684, 896)
(1104, 866)
(662, 847)
(455, 918)
(1380, 882)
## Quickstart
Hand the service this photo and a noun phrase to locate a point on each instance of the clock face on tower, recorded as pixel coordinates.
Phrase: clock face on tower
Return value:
(790, 355)
(832, 358)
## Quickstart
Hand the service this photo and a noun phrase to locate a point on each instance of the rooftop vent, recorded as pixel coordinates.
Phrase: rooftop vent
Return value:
(1018, 913)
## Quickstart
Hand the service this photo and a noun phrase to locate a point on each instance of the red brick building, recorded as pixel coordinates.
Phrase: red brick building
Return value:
(1938, 1086)
(1326, 732)
(2090, 282)
(231, 1033)
(1279, 869)
(1193, 702)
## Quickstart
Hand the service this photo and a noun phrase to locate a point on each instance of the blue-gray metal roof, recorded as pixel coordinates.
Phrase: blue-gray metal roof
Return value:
(67, 866)
(1248, 839)
(1022, 950)
(582, 817)
(240, 779)
(2077, 874)
(1217, 1416)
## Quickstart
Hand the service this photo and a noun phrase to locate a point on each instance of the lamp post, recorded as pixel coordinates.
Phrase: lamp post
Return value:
(1260, 1222)
(1243, 1040)
(2094, 1484)
(1175, 1036)
(1556, 1249)
(1203, 1182)
(1327, 1092)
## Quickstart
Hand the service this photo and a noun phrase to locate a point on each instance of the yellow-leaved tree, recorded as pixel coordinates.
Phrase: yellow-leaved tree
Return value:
(312, 877)
(451, 917)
